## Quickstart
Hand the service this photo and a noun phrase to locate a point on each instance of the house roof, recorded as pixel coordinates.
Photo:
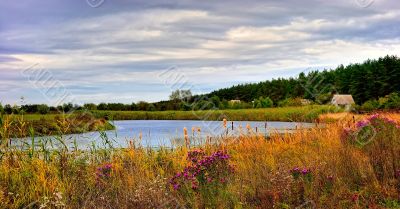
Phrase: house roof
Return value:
(342, 99)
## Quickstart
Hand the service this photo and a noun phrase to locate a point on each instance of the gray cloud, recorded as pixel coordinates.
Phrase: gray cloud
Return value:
(121, 46)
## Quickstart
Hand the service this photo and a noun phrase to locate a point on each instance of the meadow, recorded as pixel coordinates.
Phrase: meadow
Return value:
(346, 164)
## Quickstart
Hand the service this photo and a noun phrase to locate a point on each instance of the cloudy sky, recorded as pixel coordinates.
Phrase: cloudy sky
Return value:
(54, 51)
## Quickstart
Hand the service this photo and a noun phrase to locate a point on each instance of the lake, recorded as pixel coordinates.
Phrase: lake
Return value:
(155, 133)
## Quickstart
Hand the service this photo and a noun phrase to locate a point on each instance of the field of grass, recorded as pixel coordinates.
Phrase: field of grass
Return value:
(298, 114)
(347, 164)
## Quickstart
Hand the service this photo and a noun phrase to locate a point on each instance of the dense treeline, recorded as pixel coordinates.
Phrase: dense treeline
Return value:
(370, 83)
(369, 80)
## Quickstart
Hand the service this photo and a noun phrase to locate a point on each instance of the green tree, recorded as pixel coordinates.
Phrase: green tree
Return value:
(8, 109)
(133, 106)
(43, 109)
(143, 106)
(215, 99)
(102, 106)
(267, 102)
(1, 109)
(90, 106)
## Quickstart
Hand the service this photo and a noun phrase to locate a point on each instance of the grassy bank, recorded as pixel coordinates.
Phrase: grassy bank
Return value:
(333, 167)
(51, 124)
(298, 114)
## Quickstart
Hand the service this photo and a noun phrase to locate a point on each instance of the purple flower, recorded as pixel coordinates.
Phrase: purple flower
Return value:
(373, 117)
(176, 186)
(305, 171)
(361, 124)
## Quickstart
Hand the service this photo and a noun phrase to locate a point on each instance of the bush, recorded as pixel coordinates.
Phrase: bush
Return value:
(370, 105)
(393, 101)
(263, 103)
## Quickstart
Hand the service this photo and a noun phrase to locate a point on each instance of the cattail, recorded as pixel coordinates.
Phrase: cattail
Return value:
(224, 122)
(198, 129)
(185, 133)
(140, 135)
(192, 130)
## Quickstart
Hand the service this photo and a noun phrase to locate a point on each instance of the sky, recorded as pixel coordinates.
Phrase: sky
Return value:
(83, 51)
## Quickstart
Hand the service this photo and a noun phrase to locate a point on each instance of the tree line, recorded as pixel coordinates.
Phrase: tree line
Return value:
(364, 81)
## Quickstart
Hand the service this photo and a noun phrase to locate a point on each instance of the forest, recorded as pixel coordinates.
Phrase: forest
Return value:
(364, 81)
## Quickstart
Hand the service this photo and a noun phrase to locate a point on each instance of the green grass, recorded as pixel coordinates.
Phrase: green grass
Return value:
(298, 114)
(52, 124)
(31, 117)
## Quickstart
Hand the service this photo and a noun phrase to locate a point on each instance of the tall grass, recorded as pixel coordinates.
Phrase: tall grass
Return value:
(316, 168)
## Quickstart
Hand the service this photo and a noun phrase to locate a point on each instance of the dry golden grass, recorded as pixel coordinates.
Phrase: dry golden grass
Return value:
(343, 175)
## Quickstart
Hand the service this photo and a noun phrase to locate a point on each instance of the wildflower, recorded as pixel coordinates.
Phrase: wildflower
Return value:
(203, 170)
(305, 171)
(373, 117)
(361, 124)
(388, 120)
(176, 186)
(178, 175)
(103, 172)
(354, 197)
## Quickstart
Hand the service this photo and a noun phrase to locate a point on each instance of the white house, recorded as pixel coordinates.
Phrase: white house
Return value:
(345, 100)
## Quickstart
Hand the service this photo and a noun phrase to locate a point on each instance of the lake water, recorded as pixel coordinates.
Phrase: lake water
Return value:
(155, 133)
